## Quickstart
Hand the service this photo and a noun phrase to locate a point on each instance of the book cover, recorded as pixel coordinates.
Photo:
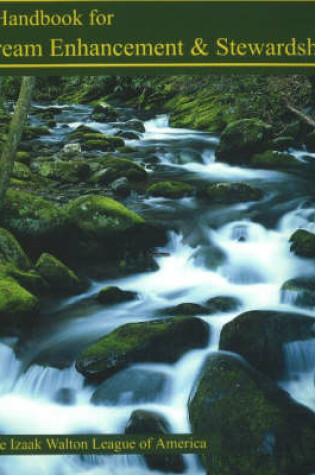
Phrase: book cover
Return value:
(157, 237)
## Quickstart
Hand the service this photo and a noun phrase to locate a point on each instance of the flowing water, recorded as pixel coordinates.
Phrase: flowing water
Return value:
(254, 238)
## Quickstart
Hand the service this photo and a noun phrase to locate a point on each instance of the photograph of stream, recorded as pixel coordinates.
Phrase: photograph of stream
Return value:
(157, 269)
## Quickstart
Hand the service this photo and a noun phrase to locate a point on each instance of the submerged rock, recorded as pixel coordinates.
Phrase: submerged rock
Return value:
(186, 309)
(210, 257)
(260, 335)
(59, 277)
(232, 193)
(112, 295)
(163, 341)
(253, 426)
(135, 124)
(301, 290)
(241, 139)
(170, 189)
(149, 422)
(303, 243)
(65, 396)
(223, 304)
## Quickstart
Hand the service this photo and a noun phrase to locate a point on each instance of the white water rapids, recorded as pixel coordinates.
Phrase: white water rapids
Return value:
(258, 261)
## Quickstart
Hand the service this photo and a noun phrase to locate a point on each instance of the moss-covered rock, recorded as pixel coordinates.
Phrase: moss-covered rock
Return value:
(300, 291)
(153, 341)
(149, 422)
(303, 243)
(17, 306)
(105, 145)
(104, 113)
(113, 168)
(273, 160)
(112, 295)
(170, 189)
(241, 139)
(23, 157)
(21, 171)
(191, 309)
(101, 216)
(135, 124)
(33, 132)
(223, 304)
(59, 277)
(232, 193)
(259, 336)
(253, 426)
(11, 251)
(282, 143)
(29, 279)
(32, 219)
(65, 172)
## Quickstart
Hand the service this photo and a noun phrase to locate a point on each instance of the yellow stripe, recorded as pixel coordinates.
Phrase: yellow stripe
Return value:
(158, 65)
(155, 1)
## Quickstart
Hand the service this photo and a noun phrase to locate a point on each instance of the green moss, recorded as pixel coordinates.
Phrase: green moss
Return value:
(30, 280)
(34, 132)
(232, 193)
(107, 144)
(11, 251)
(21, 171)
(274, 160)
(101, 216)
(223, 304)
(303, 243)
(23, 157)
(16, 304)
(66, 172)
(172, 190)
(126, 149)
(113, 168)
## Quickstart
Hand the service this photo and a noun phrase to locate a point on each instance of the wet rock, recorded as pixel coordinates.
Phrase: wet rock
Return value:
(11, 251)
(59, 277)
(65, 396)
(104, 113)
(223, 304)
(149, 422)
(121, 186)
(80, 131)
(112, 295)
(128, 135)
(131, 386)
(136, 125)
(29, 279)
(252, 424)
(114, 168)
(241, 139)
(65, 172)
(299, 291)
(273, 160)
(227, 193)
(30, 133)
(303, 243)
(185, 309)
(18, 307)
(259, 336)
(171, 190)
(72, 149)
(21, 171)
(163, 341)
(210, 257)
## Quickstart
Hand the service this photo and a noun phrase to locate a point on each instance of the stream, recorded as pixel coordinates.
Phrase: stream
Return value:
(255, 239)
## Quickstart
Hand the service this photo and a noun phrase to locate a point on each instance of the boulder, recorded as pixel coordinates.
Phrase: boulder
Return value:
(121, 186)
(103, 144)
(112, 295)
(149, 422)
(65, 172)
(128, 135)
(59, 277)
(65, 397)
(300, 291)
(23, 157)
(18, 307)
(135, 124)
(241, 139)
(112, 169)
(283, 142)
(33, 132)
(11, 251)
(253, 426)
(210, 257)
(21, 171)
(29, 279)
(163, 341)
(273, 160)
(227, 193)
(72, 149)
(260, 335)
(303, 243)
(223, 304)
(185, 309)
(104, 113)
(172, 190)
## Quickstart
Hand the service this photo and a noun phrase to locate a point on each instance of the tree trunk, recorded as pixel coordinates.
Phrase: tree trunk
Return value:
(312, 81)
(15, 134)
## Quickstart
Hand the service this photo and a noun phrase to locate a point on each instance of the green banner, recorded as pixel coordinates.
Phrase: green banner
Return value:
(158, 36)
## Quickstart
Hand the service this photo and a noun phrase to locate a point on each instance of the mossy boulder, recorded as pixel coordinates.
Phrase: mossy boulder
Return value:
(273, 160)
(23, 157)
(227, 193)
(300, 291)
(103, 144)
(170, 189)
(223, 304)
(59, 277)
(163, 341)
(149, 422)
(112, 295)
(80, 131)
(282, 142)
(11, 251)
(241, 139)
(33, 132)
(191, 309)
(21, 171)
(112, 168)
(104, 113)
(34, 220)
(17, 306)
(253, 426)
(303, 243)
(260, 335)
(100, 216)
(135, 124)
(65, 172)
(28, 279)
